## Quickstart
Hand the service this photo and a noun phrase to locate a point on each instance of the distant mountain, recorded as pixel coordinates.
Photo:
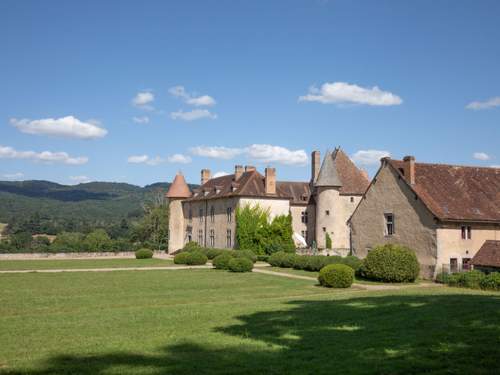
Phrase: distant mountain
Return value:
(93, 202)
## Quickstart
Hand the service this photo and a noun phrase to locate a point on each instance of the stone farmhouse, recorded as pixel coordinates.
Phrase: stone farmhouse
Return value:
(445, 213)
(318, 207)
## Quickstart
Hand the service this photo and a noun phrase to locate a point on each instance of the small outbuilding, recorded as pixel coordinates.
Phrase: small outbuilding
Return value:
(487, 258)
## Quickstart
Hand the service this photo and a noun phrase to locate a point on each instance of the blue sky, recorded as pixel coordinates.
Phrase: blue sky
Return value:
(134, 91)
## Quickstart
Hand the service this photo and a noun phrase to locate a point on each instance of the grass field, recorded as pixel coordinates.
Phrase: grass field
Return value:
(209, 321)
(45, 264)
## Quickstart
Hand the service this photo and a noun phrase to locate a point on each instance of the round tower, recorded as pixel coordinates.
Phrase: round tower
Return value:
(178, 191)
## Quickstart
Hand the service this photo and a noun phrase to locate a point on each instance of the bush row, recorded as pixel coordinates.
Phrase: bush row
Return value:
(311, 262)
(211, 253)
(191, 258)
(472, 279)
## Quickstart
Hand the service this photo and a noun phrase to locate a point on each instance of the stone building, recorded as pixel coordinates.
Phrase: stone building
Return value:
(319, 206)
(444, 212)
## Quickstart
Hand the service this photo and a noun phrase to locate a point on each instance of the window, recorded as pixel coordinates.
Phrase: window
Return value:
(303, 217)
(324, 229)
(200, 237)
(189, 237)
(190, 215)
(212, 238)
(389, 224)
(228, 238)
(212, 214)
(466, 264)
(327, 212)
(453, 265)
(466, 232)
(304, 234)
(200, 213)
(352, 199)
(229, 213)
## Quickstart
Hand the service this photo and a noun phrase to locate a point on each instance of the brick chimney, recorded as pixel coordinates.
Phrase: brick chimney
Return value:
(205, 176)
(238, 171)
(270, 180)
(409, 169)
(315, 165)
(249, 168)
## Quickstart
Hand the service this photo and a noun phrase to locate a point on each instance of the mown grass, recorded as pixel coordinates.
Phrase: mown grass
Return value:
(44, 264)
(209, 321)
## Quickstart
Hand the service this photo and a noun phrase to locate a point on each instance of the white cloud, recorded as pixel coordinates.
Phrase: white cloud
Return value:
(481, 156)
(369, 157)
(262, 153)
(343, 92)
(195, 114)
(495, 166)
(220, 174)
(144, 100)
(487, 104)
(276, 154)
(179, 159)
(13, 176)
(192, 99)
(80, 179)
(69, 127)
(44, 156)
(156, 160)
(141, 120)
(216, 152)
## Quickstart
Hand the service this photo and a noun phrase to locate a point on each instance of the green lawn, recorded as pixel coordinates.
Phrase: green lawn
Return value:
(44, 264)
(209, 321)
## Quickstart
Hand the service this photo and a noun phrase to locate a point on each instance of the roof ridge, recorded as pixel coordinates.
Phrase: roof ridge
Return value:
(447, 165)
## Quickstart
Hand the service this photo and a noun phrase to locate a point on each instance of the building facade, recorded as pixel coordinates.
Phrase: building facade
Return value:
(318, 207)
(443, 212)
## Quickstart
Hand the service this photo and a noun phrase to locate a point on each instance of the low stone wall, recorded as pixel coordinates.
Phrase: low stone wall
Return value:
(107, 255)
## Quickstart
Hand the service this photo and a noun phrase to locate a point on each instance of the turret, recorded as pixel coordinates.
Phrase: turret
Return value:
(178, 191)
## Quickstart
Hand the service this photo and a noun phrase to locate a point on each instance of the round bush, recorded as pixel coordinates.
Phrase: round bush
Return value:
(221, 262)
(240, 265)
(336, 276)
(391, 263)
(212, 253)
(191, 246)
(143, 254)
(249, 254)
(472, 279)
(196, 258)
(491, 281)
(181, 258)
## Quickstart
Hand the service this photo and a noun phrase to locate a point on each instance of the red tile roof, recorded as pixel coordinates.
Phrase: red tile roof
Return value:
(456, 192)
(488, 255)
(179, 188)
(354, 180)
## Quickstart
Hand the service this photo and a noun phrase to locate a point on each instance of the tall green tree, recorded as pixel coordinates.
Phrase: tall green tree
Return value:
(152, 230)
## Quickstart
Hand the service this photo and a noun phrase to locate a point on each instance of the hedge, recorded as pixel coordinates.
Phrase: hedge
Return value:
(391, 263)
(143, 254)
(281, 259)
(181, 258)
(336, 276)
(249, 254)
(311, 262)
(221, 262)
(196, 258)
(240, 265)
(472, 279)
(491, 281)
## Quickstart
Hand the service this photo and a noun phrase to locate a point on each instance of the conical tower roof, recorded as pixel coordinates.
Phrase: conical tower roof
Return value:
(179, 188)
(328, 174)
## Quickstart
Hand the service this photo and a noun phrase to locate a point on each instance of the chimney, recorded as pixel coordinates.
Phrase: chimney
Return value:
(409, 169)
(270, 180)
(205, 176)
(238, 171)
(315, 165)
(249, 168)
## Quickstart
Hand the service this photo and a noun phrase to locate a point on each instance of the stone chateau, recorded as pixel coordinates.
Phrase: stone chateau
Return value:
(319, 206)
(450, 215)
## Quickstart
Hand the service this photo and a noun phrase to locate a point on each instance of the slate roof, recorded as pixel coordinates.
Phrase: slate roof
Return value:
(338, 170)
(179, 188)
(457, 193)
(488, 255)
(252, 184)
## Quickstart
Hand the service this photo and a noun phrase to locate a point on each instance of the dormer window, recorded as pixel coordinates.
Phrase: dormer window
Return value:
(466, 232)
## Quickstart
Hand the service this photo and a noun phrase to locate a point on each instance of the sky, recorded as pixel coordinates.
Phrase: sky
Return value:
(135, 91)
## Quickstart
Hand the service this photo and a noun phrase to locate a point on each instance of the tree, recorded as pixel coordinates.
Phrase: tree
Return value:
(98, 240)
(152, 230)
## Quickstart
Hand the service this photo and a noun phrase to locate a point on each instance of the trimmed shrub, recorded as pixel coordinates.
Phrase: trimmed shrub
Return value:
(249, 254)
(442, 278)
(191, 246)
(315, 263)
(472, 279)
(212, 253)
(456, 279)
(181, 258)
(275, 258)
(240, 265)
(262, 258)
(196, 258)
(336, 276)
(491, 281)
(282, 259)
(391, 263)
(143, 254)
(221, 262)
(353, 262)
(300, 262)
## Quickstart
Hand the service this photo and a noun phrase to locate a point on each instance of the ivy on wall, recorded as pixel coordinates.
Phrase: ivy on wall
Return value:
(255, 231)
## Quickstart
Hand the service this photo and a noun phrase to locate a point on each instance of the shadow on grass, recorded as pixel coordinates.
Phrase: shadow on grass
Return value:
(449, 334)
